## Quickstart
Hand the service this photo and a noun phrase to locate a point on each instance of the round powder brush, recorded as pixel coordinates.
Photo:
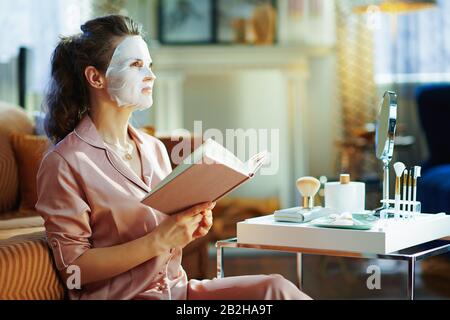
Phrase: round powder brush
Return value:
(308, 187)
(399, 167)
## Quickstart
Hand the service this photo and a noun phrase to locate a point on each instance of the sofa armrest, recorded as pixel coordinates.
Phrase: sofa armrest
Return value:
(27, 271)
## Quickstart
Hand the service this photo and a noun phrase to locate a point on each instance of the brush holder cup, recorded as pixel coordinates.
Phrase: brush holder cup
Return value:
(407, 209)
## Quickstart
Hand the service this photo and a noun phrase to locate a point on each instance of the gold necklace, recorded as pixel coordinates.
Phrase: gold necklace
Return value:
(127, 152)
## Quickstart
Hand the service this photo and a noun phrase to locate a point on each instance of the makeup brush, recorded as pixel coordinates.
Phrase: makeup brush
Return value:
(405, 186)
(399, 167)
(308, 187)
(417, 174)
(409, 206)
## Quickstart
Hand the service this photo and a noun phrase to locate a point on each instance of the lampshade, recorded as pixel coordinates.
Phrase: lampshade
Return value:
(397, 6)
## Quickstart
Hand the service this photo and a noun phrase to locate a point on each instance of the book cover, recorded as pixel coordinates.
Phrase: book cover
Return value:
(208, 174)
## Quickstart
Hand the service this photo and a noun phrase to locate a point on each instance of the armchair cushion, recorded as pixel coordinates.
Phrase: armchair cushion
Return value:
(433, 102)
(28, 222)
(433, 189)
(20, 225)
(28, 151)
(12, 119)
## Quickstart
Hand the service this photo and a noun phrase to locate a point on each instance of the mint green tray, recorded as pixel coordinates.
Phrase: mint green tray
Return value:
(361, 222)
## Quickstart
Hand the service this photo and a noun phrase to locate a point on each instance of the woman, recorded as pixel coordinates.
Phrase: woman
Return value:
(90, 184)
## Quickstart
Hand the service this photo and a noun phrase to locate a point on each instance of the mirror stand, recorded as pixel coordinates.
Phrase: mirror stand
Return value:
(385, 133)
(385, 204)
(386, 181)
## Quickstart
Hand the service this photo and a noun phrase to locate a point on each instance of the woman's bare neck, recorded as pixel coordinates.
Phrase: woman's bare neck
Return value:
(112, 123)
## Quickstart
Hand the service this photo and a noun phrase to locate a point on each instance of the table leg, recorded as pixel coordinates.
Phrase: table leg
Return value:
(300, 271)
(220, 273)
(411, 277)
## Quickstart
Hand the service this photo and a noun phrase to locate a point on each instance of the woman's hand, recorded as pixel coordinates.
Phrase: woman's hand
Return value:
(205, 225)
(175, 231)
(178, 230)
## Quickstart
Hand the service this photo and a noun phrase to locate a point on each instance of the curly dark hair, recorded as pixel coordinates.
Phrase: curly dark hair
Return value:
(67, 99)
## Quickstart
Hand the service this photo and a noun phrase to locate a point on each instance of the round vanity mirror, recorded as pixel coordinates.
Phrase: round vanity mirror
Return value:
(384, 139)
(386, 124)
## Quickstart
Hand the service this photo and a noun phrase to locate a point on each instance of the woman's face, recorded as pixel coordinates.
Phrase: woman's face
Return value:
(129, 76)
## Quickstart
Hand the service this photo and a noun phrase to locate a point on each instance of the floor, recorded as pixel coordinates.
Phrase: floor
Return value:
(331, 277)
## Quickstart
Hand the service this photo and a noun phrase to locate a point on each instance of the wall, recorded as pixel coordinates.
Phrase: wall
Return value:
(145, 12)
(324, 121)
(246, 101)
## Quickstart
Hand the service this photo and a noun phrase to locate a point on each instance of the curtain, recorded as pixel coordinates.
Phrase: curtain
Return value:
(355, 68)
(413, 43)
(358, 97)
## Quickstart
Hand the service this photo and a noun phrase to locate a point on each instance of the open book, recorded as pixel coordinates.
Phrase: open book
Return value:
(208, 174)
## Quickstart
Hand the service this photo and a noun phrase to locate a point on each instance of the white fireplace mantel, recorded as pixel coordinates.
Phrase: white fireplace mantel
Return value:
(220, 58)
(174, 64)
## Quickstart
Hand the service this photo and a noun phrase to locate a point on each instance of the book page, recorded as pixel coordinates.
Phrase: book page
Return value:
(212, 152)
(195, 157)
(217, 153)
(254, 163)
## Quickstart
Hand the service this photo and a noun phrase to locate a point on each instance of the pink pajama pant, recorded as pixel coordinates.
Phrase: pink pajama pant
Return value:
(252, 287)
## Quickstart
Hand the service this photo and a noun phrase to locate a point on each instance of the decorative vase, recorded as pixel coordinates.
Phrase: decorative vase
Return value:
(264, 24)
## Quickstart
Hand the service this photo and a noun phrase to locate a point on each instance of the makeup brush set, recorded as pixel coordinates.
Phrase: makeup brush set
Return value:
(405, 204)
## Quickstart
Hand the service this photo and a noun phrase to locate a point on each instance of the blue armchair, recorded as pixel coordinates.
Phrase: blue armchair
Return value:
(433, 102)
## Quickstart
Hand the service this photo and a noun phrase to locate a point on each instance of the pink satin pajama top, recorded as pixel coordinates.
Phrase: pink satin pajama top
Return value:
(89, 198)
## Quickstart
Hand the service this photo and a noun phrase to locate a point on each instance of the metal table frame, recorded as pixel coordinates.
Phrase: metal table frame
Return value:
(411, 255)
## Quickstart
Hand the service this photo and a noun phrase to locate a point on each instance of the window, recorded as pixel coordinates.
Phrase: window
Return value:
(413, 46)
(37, 25)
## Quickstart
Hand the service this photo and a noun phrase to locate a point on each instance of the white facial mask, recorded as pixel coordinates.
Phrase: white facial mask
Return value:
(126, 82)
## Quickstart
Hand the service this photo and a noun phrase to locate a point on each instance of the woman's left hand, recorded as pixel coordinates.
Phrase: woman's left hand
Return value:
(204, 225)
